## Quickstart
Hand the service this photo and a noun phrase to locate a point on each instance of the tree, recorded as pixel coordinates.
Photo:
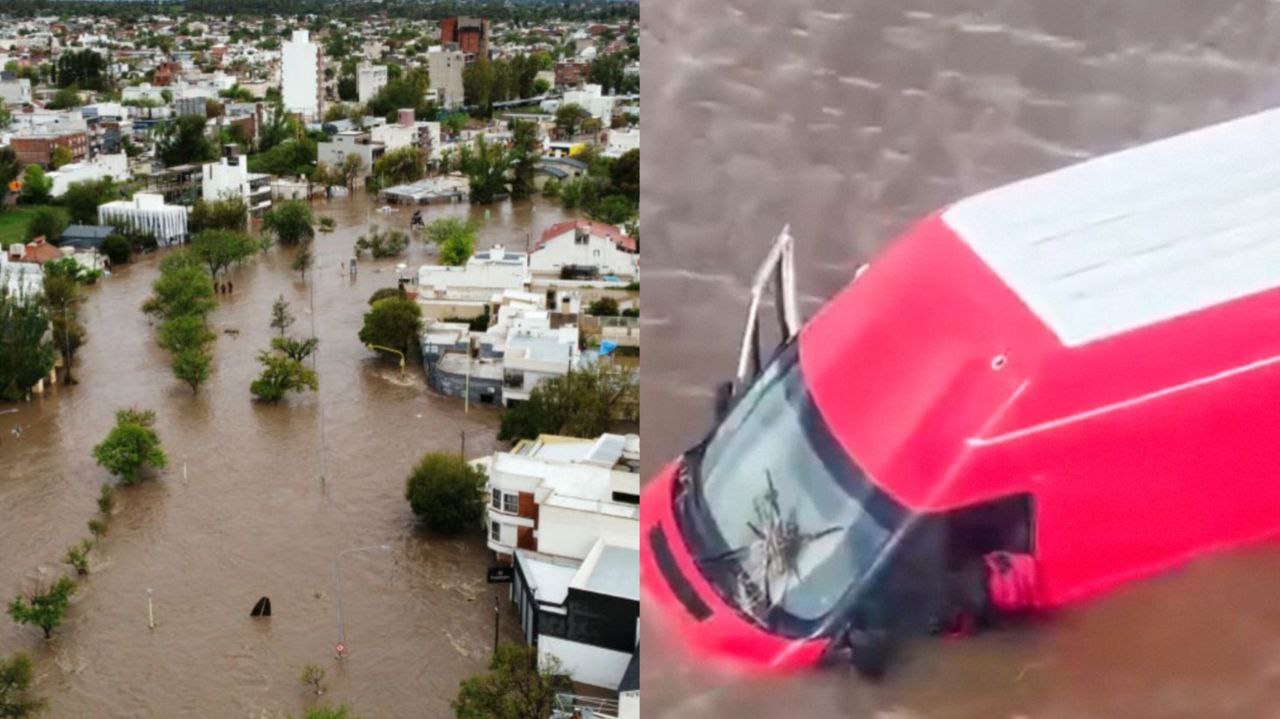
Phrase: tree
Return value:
(486, 166)
(281, 375)
(313, 676)
(36, 186)
(338, 712)
(385, 292)
(84, 68)
(218, 249)
(624, 175)
(65, 99)
(526, 151)
(231, 213)
(394, 323)
(9, 168)
(445, 492)
(303, 258)
(61, 292)
(184, 141)
(603, 307)
(456, 250)
(83, 198)
(60, 156)
(290, 222)
(26, 356)
(478, 84)
(131, 447)
(289, 158)
(581, 403)
(192, 365)
(351, 170)
(44, 607)
(382, 243)
(518, 686)
(613, 210)
(281, 318)
(47, 222)
(16, 700)
(184, 332)
(569, 118)
(185, 290)
(295, 349)
(405, 164)
(78, 556)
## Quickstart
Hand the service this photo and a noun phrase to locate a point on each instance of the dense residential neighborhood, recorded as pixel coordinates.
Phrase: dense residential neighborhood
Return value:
(331, 308)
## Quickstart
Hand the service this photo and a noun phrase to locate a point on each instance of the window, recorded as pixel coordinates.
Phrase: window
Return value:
(495, 532)
(511, 503)
(497, 499)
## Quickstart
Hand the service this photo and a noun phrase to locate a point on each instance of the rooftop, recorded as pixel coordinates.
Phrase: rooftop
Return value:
(610, 569)
(1137, 237)
(599, 229)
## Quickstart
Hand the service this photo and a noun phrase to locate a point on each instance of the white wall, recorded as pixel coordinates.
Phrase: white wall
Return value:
(598, 251)
(587, 664)
(571, 533)
(370, 79)
(629, 705)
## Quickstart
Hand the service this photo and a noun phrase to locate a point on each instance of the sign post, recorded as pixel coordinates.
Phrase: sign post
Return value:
(501, 575)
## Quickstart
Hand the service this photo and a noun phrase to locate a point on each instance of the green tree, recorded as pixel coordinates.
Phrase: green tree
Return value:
(303, 259)
(351, 169)
(131, 447)
(518, 686)
(313, 676)
(184, 290)
(231, 213)
(184, 332)
(47, 222)
(603, 307)
(218, 249)
(290, 222)
(61, 293)
(295, 349)
(16, 699)
(624, 175)
(26, 356)
(65, 99)
(613, 210)
(478, 85)
(281, 375)
(581, 403)
(456, 250)
(382, 243)
(83, 198)
(526, 151)
(185, 141)
(60, 156)
(36, 186)
(338, 712)
(405, 164)
(394, 323)
(85, 68)
(486, 166)
(445, 493)
(291, 158)
(193, 365)
(44, 607)
(569, 119)
(281, 317)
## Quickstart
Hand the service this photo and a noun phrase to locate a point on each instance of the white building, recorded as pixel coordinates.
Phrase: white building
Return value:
(593, 100)
(351, 142)
(302, 69)
(26, 278)
(586, 248)
(532, 351)
(230, 177)
(486, 273)
(146, 92)
(399, 134)
(15, 91)
(369, 80)
(566, 511)
(444, 68)
(114, 166)
(620, 142)
(147, 212)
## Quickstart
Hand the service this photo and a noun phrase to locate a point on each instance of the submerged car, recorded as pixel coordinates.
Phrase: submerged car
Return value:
(1037, 394)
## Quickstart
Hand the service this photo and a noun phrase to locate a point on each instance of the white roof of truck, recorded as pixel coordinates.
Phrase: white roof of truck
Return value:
(1140, 236)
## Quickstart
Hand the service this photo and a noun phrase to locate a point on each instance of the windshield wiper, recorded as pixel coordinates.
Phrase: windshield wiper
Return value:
(774, 552)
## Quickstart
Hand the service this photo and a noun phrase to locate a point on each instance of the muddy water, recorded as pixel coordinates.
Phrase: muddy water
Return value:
(242, 510)
(849, 120)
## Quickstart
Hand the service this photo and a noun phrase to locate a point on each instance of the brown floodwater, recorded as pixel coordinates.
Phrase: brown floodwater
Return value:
(849, 120)
(242, 510)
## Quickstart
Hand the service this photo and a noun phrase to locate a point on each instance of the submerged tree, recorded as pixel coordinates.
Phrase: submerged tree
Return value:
(26, 356)
(131, 447)
(16, 700)
(444, 491)
(519, 685)
(290, 222)
(281, 375)
(281, 318)
(582, 403)
(44, 607)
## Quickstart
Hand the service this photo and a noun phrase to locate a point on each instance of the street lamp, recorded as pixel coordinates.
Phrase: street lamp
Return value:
(337, 578)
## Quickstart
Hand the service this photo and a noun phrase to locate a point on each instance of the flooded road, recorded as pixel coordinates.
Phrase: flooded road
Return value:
(242, 510)
(849, 120)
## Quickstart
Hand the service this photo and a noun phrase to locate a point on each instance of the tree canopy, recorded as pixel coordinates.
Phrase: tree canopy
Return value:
(26, 355)
(445, 492)
(393, 322)
(131, 447)
(581, 403)
(290, 222)
(519, 685)
(184, 141)
(218, 249)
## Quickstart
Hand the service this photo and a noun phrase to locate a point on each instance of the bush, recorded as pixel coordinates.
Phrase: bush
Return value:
(131, 446)
(380, 243)
(117, 248)
(16, 701)
(230, 214)
(603, 307)
(385, 293)
(445, 493)
(280, 375)
(47, 222)
(36, 186)
(581, 403)
(78, 556)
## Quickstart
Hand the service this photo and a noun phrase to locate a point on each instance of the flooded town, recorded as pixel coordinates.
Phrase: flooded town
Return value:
(319, 361)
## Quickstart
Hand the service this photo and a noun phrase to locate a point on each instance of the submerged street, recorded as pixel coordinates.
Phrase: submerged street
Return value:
(257, 501)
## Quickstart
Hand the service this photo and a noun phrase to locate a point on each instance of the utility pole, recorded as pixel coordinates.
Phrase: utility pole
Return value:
(496, 617)
(151, 614)
(463, 435)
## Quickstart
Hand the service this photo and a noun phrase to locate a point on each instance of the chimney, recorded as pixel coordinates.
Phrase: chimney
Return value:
(406, 117)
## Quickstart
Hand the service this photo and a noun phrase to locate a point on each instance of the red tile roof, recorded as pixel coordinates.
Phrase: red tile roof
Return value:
(40, 252)
(599, 229)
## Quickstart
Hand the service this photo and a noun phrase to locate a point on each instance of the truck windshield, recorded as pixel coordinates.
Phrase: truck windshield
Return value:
(786, 524)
